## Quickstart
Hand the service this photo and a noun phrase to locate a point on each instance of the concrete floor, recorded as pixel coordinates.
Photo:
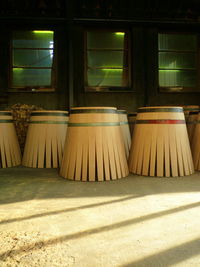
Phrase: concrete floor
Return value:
(48, 221)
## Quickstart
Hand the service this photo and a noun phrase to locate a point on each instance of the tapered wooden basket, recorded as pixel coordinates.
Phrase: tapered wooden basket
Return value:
(125, 130)
(195, 144)
(94, 149)
(131, 121)
(160, 144)
(45, 139)
(191, 124)
(10, 154)
(190, 108)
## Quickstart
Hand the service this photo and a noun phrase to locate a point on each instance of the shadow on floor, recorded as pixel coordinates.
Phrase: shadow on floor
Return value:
(170, 256)
(21, 184)
(173, 255)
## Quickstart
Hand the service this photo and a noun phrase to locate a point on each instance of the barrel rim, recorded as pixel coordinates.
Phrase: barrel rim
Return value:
(132, 114)
(50, 113)
(93, 124)
(95, 107)
(48, 122)
(82, 111)
(194, 113)
(160, 109)
(122, 111)
(160, 121)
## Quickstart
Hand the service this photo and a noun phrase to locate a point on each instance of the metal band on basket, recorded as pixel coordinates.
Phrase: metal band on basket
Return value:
(49, 122)
(49, 114)
(71, 124)
(78, 111)
(121, 112)
(167, 109)
(160, 144)
(94, 148)
(160, 121)
(45, 139)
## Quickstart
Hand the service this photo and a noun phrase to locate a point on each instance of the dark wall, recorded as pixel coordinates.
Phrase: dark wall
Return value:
(59, 99)
(69, 34)
(144, 73)
(122, 100)
(43, 100)
(153, 95)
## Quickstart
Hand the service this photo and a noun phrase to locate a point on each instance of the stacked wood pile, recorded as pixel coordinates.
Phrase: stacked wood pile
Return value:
(21, 117)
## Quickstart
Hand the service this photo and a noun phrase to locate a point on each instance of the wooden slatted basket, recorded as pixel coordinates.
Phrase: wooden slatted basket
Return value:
(131, 121)
(45, 139)
(94, 149)
(191, 124)
(160, 144)
(189, 108)
(125, 130)
(10, 154)
(195, 144)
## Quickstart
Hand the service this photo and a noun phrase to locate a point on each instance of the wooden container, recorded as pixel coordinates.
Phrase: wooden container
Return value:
(94, 149)
(191, 124)
(125, 130)
(189, 108)
(160, 144)
(45, 139)
(10, 154)
(131, 121)
(195, 144)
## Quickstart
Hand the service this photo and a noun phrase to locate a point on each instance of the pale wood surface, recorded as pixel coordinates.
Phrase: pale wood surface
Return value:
(94, 153)
(45, 141)
(188, 108)
(195, 145)
(125, 131)
(160, 149)
(10, 154)
(191, 124)
(131, 121)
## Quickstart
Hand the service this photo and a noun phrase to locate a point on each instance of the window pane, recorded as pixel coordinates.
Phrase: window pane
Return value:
(177, 60)
(31, 77)
(32, 58)
(105, 40)
(105, 77)
(182, 42)
(177, 78)
(112, 59)
(33, 39)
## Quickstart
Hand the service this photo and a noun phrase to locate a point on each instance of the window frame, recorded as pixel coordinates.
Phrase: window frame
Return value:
(52, 87)
(180, 89)
(127, 47)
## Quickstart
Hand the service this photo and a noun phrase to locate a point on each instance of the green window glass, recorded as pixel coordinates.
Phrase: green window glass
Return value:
(177, 60)
(107, 59)
(32, 59)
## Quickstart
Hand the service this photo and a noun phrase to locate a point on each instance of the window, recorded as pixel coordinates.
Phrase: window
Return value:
(32, 62)
(177, 62)
(107, 65)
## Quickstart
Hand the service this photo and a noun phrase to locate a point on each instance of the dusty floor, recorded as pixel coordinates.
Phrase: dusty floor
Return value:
(48, 221)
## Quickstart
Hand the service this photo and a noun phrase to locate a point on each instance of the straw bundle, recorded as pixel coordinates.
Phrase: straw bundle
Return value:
(125, 130)
(10, 154)
(45, 139)
(160, 144)
(94, 149)
(21, 116)
(131, 121)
